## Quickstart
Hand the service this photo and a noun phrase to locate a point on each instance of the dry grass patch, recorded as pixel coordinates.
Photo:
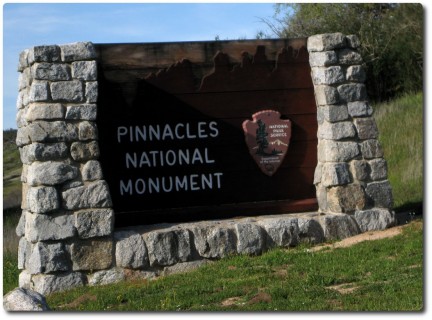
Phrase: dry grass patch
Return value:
(367, 236)
(281, 271)
(79, 301)
(260, 297)
(344, 288)
(233, 301)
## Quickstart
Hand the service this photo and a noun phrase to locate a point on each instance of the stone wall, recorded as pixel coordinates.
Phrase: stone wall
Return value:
(351, 174)
(66, 227)
(67, 221)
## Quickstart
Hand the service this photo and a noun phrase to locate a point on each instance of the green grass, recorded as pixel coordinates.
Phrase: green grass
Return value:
(10, 271)
(10, 252)
(400, 124)
(11, 170)
(382, 275)
(11, 212)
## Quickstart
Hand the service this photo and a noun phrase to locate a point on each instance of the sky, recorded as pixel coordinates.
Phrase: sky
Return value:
(31, 24)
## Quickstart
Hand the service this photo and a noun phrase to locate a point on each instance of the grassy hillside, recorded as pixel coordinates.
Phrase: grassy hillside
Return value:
(11, 208)
(11, 171)
(400, 124)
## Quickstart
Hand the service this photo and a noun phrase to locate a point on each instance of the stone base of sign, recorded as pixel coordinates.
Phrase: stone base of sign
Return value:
(67, 235)
(147, 252)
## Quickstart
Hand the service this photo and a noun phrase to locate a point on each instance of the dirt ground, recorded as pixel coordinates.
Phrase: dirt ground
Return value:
(371, 235)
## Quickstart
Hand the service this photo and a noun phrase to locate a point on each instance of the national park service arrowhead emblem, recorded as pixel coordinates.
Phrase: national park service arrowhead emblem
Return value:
(267, 137)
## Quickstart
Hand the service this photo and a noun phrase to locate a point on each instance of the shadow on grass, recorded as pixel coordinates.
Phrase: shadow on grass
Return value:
(11, 213)
(408, 212)
(415, 207)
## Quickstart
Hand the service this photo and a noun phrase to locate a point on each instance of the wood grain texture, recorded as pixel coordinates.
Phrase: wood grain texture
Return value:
(163, 55)
(238, 210)
(201, 82)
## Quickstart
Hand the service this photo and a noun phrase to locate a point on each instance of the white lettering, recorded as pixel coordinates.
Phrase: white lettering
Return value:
(121, 131)
(144, 160)
(214, 130)
(178, 136)
(173, 159)
(140, 132)
(165, 189)
(130, 160)
(276, 126)
(202, 131)
(155, 158)
(218, 176)
(188, 133)
(153, 185)
(199, 130)
(207, 160)
(161, 159)
(126, 188)
(167, 132)
(183, 156)
(154, 133)
(192, 182)
(274, 135)
(197, 156)
(154, 155)
(181, 184)
(140, 186)
(207, 181)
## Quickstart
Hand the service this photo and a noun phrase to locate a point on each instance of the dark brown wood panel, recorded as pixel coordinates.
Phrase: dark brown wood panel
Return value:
(163, 55)
(254, 75)
(237, 210)
(244, 104)
(304, 126)
(300, 154)
(203, 92)
(292, 184)
(228, 159)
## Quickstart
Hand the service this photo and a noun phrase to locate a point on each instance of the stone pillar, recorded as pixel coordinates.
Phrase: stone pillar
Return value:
(351, 174)
(67, 222)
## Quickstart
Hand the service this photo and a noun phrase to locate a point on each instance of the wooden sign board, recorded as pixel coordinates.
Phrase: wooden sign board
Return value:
(184, 131)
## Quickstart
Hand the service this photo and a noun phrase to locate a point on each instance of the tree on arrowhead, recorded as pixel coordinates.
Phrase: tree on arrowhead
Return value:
(261, 138)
